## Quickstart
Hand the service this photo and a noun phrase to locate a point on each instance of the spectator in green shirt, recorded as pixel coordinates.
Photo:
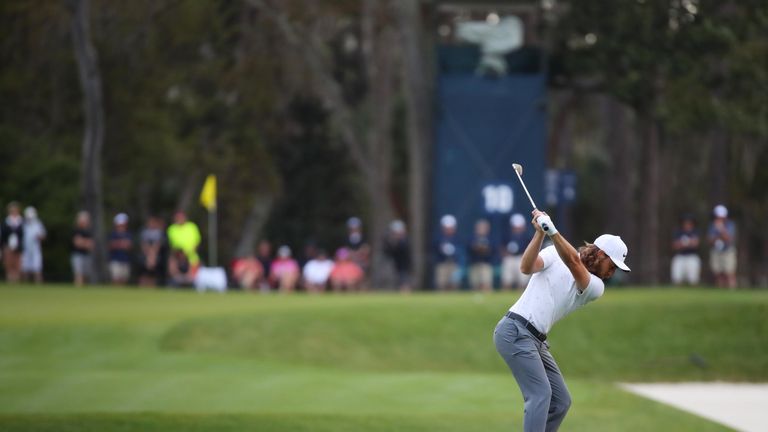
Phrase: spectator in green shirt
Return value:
(184, 235)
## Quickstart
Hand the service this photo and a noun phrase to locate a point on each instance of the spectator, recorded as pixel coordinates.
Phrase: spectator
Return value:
(32, 256)
(185, 236)
(247, 272)
(447, 255)
(181, 272)
(359, 250)
(686, 264)
(82, 249)
(481, 258)
(285, 270)
(346, 274)
(354, 233)
(153, 249)
(12, 241)
(316, 272)
(512, 253)
(310, 253)
(397, 248)
(722, 240)
(120, 246)
(264, 255)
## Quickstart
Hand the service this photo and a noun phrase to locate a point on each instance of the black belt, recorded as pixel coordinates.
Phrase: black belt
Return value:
(539, 335)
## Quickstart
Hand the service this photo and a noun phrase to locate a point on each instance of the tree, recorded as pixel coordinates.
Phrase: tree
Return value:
(673, 65)
(190, 96)
(417, 88)
(363, 122)
(93, 137)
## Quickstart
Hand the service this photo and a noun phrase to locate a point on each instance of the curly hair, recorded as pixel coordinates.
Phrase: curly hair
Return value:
(590, 257)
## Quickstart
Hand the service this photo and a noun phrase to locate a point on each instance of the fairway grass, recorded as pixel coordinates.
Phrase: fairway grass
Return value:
(125, 359)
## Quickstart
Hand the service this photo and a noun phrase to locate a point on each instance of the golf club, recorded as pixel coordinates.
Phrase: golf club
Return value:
(519, 171)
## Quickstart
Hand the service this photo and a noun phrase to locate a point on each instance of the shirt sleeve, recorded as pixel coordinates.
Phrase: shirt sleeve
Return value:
(548, 255)
(594, 290)
(711, 232)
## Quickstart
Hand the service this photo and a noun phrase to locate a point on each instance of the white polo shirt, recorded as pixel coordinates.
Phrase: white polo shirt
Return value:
(552, 293)
(318, 271)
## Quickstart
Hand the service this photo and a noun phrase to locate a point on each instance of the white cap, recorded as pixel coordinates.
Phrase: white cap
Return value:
(30, 213)
(121, 218)
(517, 220)
(448, 221)
(284, 251)
(397, 226)
(721, 211)
(614, 247)
(354, 222)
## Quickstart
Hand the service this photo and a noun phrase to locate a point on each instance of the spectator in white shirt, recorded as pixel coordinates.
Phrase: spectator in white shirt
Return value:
(32, 256)
(316, 272)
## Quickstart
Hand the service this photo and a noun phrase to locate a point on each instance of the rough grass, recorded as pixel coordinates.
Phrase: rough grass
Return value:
(124, 360)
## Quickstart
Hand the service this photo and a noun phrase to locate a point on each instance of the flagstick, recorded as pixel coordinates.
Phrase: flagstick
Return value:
(212, 237)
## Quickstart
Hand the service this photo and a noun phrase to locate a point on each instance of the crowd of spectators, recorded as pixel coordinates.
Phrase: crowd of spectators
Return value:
(157, 255)
(315, 271)
(483, 262)
(721, 242)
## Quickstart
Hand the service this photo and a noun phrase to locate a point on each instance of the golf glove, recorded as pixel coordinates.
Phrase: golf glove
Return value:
(545, 222)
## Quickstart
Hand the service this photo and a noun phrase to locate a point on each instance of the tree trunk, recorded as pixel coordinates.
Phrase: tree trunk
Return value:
(560, 139)
(417, 81)
(193, 184)
(257, 217)
(719, 167)
(560, 148)
(620, 145)
(93, 139)
(381, 63)
(378, 192)
(649, 211)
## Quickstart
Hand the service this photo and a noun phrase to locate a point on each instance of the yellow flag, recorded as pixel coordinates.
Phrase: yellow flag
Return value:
(208, 195)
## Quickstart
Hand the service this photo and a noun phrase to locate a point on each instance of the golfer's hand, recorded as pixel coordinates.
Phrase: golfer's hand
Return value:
(543, 222)
(536, 214)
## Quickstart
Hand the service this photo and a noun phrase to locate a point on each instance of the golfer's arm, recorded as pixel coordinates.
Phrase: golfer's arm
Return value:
(570, 257)
(531, 261)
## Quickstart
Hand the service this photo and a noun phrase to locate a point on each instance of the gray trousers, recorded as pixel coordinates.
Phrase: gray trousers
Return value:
(546, 397)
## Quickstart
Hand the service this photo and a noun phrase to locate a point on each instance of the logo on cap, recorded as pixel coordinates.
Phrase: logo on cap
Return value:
(614, 247)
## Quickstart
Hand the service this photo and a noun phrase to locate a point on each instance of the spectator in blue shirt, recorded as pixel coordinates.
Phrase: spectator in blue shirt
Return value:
(722, 241)
(396, 246)
(82, 249)
(480, 253)
(686, 263)
(447, 256)
(120, 247)
(359, 249)
(512, 253)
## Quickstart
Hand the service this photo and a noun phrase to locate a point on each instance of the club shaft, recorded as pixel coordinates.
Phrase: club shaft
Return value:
(526, 190)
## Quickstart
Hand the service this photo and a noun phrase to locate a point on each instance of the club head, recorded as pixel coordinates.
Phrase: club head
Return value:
(518, 168)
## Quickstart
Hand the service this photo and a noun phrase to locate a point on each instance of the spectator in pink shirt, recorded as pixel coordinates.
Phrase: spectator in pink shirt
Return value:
(284, 270)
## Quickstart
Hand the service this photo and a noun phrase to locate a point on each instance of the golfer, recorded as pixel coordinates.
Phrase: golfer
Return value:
(563, 280)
